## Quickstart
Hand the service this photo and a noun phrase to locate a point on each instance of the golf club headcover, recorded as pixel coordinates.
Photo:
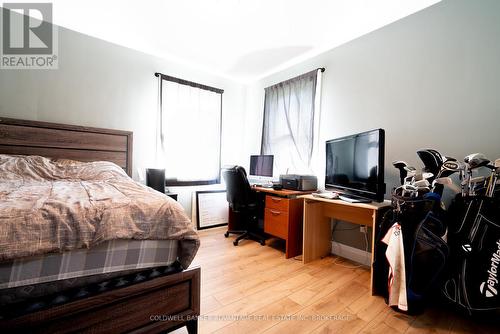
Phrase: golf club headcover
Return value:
(431, 159)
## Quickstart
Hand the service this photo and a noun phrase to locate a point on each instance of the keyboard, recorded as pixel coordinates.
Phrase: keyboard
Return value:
(327, 195)
(354, 199)
(266, 185)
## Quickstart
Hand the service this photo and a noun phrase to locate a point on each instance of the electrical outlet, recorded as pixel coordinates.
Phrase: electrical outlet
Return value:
(362, 229)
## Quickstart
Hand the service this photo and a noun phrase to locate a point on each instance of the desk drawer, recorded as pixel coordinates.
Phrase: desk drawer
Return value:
(277, 203)
(276, 223)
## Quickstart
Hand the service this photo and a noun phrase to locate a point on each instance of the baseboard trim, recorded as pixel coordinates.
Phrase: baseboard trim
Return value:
(351, 253)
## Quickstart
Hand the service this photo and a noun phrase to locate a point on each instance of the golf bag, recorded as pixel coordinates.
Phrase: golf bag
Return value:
(474, 240)
(420, 223)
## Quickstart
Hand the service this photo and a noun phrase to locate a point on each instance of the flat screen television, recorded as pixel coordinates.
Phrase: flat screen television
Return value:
(355, 164)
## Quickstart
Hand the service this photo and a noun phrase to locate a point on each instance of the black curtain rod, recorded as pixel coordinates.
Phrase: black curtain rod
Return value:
(188, 83)
(322, 69)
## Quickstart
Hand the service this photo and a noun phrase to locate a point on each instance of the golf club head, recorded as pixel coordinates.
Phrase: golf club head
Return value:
(409, 176)
(402, 171)
(476, 160)
(431, 159)
(427, 175)
(408, 190)
(418, 176)
(409, 187)
(477, 179)
(449, 167)
(399, 164)
(462, 170)
(421, 183)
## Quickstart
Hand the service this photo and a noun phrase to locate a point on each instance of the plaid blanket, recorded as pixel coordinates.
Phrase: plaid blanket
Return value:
(59, 205)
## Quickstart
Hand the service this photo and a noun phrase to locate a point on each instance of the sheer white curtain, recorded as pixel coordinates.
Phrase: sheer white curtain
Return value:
(190, 133)
(291, 123)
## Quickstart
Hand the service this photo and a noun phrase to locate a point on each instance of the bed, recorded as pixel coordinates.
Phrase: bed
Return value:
(105, 254)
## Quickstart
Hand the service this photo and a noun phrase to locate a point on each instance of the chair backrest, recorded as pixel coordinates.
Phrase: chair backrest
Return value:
(239, 194)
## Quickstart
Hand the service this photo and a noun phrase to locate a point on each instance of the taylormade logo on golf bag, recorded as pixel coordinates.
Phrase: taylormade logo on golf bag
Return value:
(488, 288)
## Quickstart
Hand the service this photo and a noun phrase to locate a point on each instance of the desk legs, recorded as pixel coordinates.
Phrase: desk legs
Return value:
(317, 232)
(374, 236)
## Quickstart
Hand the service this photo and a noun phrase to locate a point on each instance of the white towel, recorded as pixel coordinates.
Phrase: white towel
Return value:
(397, 275)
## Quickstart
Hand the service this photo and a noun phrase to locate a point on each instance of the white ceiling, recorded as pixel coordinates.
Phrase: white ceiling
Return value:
(240, 39)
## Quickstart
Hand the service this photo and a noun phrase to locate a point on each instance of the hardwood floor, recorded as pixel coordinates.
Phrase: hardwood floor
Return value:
(254, 289)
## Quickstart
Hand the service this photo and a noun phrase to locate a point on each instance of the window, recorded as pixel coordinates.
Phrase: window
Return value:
(189, 134)
(291, 123)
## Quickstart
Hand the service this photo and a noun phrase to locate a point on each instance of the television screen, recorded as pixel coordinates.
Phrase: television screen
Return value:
(261, 165)
(356, 164)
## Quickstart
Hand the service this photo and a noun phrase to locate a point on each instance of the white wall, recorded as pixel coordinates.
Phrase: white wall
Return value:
(104, 85)
(431, 80)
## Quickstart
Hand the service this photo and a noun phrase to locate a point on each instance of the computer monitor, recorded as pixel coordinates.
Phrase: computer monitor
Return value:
(261, 165)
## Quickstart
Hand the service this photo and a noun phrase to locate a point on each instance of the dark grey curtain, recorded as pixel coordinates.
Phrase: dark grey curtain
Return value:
(288, 128)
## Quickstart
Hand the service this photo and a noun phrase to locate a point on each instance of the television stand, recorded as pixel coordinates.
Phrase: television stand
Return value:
(354, 199)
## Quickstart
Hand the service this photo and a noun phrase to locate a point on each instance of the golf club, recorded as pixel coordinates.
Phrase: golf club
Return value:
(448, 168)
(495, 169)
(408, 190)
(421, 183)
(403, 172)
(475, 184)
(472, 161)
(432, 160)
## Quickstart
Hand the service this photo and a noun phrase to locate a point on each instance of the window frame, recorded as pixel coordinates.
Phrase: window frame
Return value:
(174, 182)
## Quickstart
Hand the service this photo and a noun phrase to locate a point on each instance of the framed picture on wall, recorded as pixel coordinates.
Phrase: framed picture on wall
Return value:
(212, 209)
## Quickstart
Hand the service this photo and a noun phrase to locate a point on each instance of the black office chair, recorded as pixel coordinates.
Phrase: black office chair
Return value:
(242, 200)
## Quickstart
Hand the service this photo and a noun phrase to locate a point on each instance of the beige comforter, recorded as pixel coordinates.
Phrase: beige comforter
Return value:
(54, 206)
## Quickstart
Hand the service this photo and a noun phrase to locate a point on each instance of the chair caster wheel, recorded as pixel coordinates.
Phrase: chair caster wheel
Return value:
(226, 234)
(235, 243)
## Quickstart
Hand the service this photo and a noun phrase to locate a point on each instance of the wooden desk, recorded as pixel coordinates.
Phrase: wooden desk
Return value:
(283, 217)
(317, 232)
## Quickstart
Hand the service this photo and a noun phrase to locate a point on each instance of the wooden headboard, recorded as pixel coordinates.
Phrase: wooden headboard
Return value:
(62, 141)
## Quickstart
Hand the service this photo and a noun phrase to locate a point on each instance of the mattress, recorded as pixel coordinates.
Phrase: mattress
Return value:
(109, 257)
(48, 206)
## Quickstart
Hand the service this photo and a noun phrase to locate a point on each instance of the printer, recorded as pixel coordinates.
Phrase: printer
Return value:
(299, 182)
